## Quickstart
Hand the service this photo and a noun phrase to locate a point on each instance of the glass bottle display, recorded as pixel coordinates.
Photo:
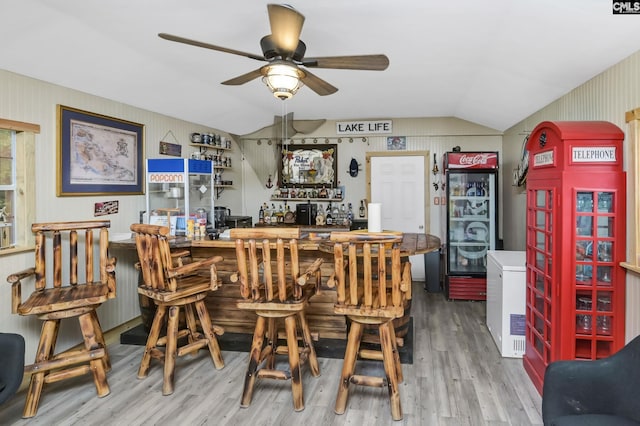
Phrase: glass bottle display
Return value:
(576, 205)
(472, 221)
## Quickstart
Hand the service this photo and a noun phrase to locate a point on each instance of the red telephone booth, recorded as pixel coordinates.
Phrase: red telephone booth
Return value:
(576, 210)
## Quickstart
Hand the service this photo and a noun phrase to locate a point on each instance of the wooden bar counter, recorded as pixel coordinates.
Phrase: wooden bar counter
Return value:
(313, 244)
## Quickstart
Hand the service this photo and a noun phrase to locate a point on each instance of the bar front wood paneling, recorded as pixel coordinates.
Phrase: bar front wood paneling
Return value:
(322, 320)
(222, 303)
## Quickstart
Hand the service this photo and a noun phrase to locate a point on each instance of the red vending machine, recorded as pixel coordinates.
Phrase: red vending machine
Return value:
(472, 221)
(575, 292)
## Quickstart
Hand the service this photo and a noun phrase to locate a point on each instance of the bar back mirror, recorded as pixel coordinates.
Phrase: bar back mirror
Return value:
(309, 165)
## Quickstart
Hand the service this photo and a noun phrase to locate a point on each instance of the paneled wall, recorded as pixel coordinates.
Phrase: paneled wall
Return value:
(34, 101)
(605, 97)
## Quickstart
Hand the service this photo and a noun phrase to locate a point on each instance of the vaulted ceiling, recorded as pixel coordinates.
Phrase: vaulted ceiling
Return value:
(492, 62)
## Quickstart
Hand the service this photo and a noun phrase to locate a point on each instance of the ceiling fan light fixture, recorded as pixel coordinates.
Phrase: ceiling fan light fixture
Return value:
(283, 79)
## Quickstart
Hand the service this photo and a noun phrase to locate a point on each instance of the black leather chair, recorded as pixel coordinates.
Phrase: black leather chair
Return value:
(589, 393)
(11, 364)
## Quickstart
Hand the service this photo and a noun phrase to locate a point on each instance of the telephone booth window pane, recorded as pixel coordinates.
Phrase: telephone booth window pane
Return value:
(605, 226)
(541, 198)
(585, 202)
(584, 250)
(540, 239)
(605, 202)
(540, 219)
(604, 275)
(605, 251)
(584, 225)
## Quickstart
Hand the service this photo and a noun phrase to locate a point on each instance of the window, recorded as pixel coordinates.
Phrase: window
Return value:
(633, 124)
(7, 187)
(17, 185)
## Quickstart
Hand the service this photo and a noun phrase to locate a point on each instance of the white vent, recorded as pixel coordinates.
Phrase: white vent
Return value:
(518, 346)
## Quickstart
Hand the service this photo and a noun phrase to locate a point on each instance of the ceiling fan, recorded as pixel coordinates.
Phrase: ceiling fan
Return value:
(284, 53)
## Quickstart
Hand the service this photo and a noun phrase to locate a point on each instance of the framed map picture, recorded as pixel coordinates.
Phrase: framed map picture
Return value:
(98, 154)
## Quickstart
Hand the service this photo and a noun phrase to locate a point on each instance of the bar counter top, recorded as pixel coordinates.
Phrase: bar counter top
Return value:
(412, 243)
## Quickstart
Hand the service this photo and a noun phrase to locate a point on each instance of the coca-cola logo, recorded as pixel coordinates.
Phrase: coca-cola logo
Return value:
(471, 160)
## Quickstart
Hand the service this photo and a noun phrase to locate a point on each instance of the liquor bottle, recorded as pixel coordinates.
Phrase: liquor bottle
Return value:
(320, 219)
(274, 216)
(267, 214)
(343, 215)
(280, 214)
(329, 219)
(350, 215)
(361, 209)
(261, 215)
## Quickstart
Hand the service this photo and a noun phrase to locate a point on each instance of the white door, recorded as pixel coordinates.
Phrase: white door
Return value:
(398, 183)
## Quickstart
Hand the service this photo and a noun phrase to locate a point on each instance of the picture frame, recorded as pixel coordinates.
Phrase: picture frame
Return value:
(396, 143)
(98, 155)
(309, 166)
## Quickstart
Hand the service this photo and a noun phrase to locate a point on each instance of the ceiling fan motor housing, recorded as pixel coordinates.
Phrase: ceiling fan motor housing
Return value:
(270, 49)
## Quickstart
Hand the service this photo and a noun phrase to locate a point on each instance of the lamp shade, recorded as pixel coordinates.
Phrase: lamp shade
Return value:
(283, 79)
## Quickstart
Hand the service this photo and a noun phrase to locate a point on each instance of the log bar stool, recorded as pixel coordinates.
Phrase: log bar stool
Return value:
(67, 298)
(368, 297)
(172, 283)
(284, 295)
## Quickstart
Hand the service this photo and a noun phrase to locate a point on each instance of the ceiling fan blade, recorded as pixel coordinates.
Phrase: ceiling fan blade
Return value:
(286, 25)
(196, 43)
(244, 78)
(358, 62)
(318, 85)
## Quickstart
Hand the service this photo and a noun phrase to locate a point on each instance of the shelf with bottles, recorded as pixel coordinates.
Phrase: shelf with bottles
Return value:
(469, 197)
(323, 200)
(206, 146)
(470, 218)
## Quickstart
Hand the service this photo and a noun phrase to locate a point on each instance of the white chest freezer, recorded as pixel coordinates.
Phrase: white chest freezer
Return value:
(506, 293)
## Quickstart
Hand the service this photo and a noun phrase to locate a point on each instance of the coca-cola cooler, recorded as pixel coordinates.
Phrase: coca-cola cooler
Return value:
(472, 221)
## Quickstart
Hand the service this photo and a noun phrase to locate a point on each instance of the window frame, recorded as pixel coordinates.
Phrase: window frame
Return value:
(633, 132)
(25, 184)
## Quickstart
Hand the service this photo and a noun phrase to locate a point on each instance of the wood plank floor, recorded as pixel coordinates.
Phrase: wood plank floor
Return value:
(457, 378)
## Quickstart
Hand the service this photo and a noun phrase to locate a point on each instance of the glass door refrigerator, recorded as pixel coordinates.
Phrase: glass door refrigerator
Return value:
(472, 221)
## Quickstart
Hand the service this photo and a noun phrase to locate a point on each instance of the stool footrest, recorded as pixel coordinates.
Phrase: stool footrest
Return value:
(371, 381)
(192, 347)
(371, 354)
(65, 359)
(266, 373)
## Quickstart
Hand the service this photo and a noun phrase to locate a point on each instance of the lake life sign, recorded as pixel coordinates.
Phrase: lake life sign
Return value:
(364, 127)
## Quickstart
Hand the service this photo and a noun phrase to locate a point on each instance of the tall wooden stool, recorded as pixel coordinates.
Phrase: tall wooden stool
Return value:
(368, 296)
(173, 284)
(282, 293)
(67, 297)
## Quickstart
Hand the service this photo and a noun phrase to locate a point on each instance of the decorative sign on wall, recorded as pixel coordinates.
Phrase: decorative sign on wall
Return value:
(173, 149)
(364, 127)
(396, 143)
(166, 148)
(105, 208)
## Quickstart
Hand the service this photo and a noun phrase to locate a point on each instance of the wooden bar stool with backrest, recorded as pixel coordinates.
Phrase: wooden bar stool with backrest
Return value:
(59, 294)
(369, 294)
(280, 293)
(172, 284)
